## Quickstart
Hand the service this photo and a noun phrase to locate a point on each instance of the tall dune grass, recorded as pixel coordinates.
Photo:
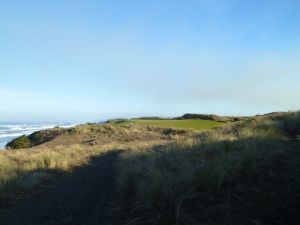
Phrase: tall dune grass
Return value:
(21, 170)
(195, 181)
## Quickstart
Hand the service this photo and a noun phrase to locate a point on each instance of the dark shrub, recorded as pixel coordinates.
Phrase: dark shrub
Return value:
(20, 142)
(290, 123)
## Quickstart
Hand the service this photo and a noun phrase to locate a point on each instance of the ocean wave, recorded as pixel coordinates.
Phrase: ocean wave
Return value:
(14, 134)
(10, 131)
(30, 127)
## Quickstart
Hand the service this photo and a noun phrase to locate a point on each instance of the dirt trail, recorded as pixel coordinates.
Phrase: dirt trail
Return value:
(81, 198)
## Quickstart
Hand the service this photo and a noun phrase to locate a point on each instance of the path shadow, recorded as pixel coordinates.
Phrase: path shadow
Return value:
(248, 181)
(77, 198)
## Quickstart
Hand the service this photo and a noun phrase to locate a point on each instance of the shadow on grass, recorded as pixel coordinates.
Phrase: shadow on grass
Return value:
(248, 181)
(82, 196)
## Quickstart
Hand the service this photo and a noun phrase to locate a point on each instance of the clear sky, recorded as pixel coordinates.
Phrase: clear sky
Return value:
(89, 60)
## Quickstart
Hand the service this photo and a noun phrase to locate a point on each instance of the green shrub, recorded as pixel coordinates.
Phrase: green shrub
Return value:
(20, 142)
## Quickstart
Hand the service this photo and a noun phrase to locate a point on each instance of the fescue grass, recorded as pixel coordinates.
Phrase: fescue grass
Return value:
(195, 124)
(97, 134)
(235, 174)
(21, 170)
(241, 168)
(24, 169)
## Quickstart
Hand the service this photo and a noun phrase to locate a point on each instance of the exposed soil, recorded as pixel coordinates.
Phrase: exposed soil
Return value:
(79, 198)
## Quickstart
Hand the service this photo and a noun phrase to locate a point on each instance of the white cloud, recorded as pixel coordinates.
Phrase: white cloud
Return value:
(260, 83)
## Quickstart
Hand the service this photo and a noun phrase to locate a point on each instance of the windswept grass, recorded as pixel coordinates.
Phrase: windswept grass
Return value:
(237, 174)
(23, 170)
(96, 134)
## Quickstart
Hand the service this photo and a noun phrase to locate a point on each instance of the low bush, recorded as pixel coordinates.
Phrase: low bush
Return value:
(20, 142)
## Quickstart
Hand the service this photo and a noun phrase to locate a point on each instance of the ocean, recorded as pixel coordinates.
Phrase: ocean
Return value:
(9, 131)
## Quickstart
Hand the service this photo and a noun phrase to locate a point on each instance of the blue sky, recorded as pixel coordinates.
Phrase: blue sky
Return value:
(89, 60)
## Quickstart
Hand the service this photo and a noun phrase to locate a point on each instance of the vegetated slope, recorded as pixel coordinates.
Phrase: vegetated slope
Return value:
(95, 134)
(196, 124)
(30, 171)
(244, 173)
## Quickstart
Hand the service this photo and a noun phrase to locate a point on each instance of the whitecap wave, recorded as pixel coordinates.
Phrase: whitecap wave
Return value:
(10, 131)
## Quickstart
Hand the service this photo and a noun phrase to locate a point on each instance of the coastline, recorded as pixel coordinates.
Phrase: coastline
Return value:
(10, 131)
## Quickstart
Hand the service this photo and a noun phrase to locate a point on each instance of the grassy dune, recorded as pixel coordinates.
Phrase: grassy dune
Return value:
(23, 170)
(241, 173)
(195, 124)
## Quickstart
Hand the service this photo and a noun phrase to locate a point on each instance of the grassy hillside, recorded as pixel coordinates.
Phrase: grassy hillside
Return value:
(195, 124)
(95, 134)
(242, 173)
(58, 150)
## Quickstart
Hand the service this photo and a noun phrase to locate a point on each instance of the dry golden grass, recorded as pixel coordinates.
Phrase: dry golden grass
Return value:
(22, 170)
(97, 134)
(192, 181)
(188, 181)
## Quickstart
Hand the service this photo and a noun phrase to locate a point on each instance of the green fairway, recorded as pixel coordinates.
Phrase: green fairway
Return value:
(191, 124)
